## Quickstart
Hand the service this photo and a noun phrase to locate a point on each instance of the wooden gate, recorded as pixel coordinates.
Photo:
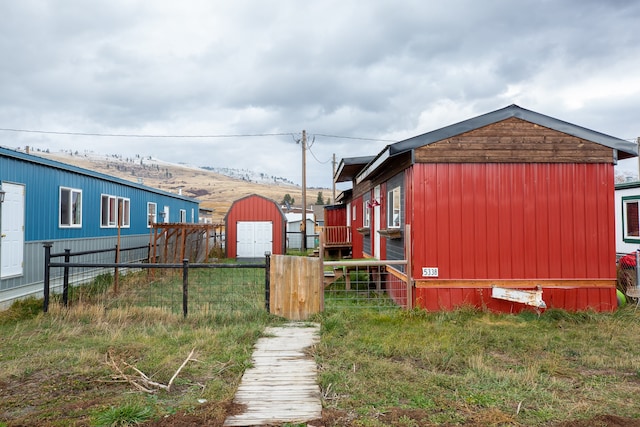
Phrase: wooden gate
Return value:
(296, 286)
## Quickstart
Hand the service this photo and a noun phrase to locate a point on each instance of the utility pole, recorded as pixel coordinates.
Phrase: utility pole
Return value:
(333, 178)
(303, 223)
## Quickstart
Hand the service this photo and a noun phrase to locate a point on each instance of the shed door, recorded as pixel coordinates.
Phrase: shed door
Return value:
(254, 238)
(12, 253)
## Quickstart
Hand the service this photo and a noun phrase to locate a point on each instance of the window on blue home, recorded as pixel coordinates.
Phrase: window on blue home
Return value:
(183, 215)
(152, 211)
(113, 211)
(70, 207)
(393, 208)
(366, 213)
(631, 218)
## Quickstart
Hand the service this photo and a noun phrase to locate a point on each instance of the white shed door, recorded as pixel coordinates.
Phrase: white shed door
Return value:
(12, 254)
(254, 238)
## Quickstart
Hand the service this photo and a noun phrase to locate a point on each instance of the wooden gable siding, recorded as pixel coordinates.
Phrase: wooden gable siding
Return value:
(514, 141)
(513, 221)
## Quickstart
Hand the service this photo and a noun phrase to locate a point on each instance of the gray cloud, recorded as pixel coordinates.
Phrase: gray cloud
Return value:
(384, 69)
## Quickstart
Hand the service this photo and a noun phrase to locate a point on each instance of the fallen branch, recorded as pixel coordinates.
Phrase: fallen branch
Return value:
(142, 382)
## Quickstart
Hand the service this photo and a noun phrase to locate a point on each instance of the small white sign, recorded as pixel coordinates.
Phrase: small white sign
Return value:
(429, 271)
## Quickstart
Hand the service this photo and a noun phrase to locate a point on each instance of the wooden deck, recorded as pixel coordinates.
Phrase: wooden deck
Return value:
(281, 387)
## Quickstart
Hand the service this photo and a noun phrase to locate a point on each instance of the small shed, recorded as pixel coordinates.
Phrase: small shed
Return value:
(254, 225)
(294, 233)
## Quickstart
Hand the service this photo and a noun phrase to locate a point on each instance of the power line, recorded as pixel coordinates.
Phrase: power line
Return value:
(131, 135)
(136, 135)
(355, 137)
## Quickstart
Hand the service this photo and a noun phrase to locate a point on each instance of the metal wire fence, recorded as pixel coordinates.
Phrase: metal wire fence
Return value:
(363, 284)
(209, 289)
(628, 282)
(203, 289)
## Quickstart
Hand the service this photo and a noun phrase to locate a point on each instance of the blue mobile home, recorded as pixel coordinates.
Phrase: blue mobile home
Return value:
(73, 208)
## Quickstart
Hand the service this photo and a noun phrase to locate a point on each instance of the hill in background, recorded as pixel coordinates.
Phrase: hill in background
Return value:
(216, 188)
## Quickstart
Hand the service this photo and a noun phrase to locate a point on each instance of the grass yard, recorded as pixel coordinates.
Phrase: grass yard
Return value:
(473, 368)
(86, 366)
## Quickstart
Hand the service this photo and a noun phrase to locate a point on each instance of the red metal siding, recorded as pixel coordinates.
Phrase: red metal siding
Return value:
(335, 216)
(255, 208)
(397, 289)
(514, 221)
(572, 299)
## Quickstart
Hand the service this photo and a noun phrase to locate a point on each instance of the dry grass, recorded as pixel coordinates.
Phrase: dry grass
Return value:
(214, 191)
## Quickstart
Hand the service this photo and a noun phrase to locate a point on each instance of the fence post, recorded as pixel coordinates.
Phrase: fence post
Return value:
(638, 267)
(267, 280)
(116, 272)
(65, 282)
(47, 275)
(185, 287)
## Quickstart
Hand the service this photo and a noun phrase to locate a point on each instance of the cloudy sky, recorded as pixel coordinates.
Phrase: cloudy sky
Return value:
(373, 71)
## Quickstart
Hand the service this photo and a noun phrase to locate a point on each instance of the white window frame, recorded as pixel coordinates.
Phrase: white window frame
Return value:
(110, 212)
(394, 208)
(626, 201)
(152, 217)
(74, 208)
(183, 215)
(366, 213)
(125, 221)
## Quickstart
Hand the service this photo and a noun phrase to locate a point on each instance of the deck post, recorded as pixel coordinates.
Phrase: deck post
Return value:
(409, 256)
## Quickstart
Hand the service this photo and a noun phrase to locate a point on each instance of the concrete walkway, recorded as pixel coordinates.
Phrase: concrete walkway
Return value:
(281, 387)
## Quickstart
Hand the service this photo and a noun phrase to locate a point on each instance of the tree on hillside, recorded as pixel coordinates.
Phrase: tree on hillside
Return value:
(320, 199)
(287, 200)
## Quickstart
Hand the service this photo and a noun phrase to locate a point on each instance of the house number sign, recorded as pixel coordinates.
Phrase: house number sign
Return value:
(429, 271)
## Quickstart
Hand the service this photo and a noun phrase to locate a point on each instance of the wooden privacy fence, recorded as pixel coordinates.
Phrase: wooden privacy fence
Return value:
(296, 286)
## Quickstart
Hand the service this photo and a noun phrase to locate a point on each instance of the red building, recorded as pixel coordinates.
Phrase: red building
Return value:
(511, 200)
(254, 225)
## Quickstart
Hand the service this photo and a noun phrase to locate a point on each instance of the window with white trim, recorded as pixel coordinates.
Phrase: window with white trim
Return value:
(393, 208)
(124, 207)
(631, 219)
(70, 213)
(366, 213)
(183, 215)
(113, 211)
(152, 212)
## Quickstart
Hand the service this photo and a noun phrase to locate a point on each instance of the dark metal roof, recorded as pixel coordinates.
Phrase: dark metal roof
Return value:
(349, 167)
(629, 148)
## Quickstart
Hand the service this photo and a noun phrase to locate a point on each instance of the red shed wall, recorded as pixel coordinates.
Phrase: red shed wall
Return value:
(254, 208)
(488, 221)
(335, 215)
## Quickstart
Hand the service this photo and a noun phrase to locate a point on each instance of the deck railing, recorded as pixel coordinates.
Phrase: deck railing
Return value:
(337, 235)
